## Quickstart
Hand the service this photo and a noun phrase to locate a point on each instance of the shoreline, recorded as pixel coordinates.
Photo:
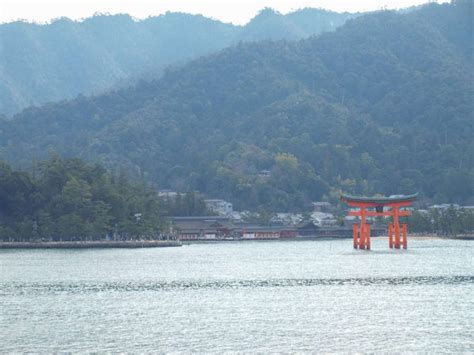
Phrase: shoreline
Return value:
(322, 238)
(135, 244)
(92, 244)
(317, 238)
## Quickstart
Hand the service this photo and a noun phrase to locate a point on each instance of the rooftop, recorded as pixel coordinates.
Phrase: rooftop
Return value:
(321, 203)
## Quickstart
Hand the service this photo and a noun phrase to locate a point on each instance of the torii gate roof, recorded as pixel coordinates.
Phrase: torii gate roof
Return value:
(380, 200)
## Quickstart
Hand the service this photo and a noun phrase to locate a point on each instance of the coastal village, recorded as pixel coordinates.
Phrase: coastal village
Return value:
(227, 224)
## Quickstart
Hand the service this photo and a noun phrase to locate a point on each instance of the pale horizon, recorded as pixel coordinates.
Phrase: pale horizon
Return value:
(232, 11)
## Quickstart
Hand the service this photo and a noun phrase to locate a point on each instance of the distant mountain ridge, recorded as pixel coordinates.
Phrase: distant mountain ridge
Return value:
(381, 105)
(43, 63)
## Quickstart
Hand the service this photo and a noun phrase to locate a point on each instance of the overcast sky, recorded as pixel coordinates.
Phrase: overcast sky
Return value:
(235, 11)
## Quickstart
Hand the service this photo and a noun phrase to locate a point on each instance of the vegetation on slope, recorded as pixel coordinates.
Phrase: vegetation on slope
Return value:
(448, 222)
(42, 63)
(70, 200)
(381, 105)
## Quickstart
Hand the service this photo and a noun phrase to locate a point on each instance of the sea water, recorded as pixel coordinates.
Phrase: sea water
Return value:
(280, 296)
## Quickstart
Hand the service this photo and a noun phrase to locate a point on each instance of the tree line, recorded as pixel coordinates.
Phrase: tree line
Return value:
(67, 199)
(447, 222)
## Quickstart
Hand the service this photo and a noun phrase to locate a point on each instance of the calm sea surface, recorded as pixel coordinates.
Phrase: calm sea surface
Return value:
(247, 296)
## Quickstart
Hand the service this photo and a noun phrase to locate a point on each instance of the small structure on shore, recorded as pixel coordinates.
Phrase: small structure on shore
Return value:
(267, 232)
(364, 207)
(222, 228)
(202, 227)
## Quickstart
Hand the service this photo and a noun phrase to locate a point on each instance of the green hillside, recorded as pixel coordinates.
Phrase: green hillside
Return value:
(43, 63)
(69, 199)
(381, 105)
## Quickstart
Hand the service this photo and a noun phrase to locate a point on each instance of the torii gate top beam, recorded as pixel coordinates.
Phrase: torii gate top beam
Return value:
(399, 201)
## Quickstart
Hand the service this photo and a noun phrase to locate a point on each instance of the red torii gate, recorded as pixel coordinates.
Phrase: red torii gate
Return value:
(374, 207)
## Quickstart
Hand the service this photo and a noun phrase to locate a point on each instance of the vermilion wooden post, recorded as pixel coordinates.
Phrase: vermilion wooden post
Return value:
(404, 232)
(363, 229)
(397, 227)
(361, 237)
(355, 235)
(390, 235)
(368, 236)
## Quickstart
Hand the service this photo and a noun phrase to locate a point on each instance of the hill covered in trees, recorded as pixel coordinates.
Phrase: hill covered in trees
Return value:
(43, 63)
(381, 105)
(67, 199)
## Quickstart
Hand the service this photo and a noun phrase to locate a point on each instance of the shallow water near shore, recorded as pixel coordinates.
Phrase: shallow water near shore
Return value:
(240, 296)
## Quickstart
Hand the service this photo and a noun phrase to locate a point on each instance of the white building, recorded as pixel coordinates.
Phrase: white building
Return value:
(444, 206)
(287, 218)
(322, 206)
(236, 216)
(264, 173)
(323, 219)
(167, 194)
(221, 207)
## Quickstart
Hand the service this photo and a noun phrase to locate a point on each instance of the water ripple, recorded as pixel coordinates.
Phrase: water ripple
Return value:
(17, 288)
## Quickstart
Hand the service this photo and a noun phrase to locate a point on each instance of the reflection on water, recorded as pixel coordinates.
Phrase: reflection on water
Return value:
(269, 296)
(84, 287)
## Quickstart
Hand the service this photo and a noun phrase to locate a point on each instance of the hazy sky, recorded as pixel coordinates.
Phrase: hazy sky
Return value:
(235, 11)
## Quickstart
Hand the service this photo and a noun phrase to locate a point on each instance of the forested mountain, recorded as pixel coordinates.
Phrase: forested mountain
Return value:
(69, 199)
(271, 25)
(42, 63)
(384, 104)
